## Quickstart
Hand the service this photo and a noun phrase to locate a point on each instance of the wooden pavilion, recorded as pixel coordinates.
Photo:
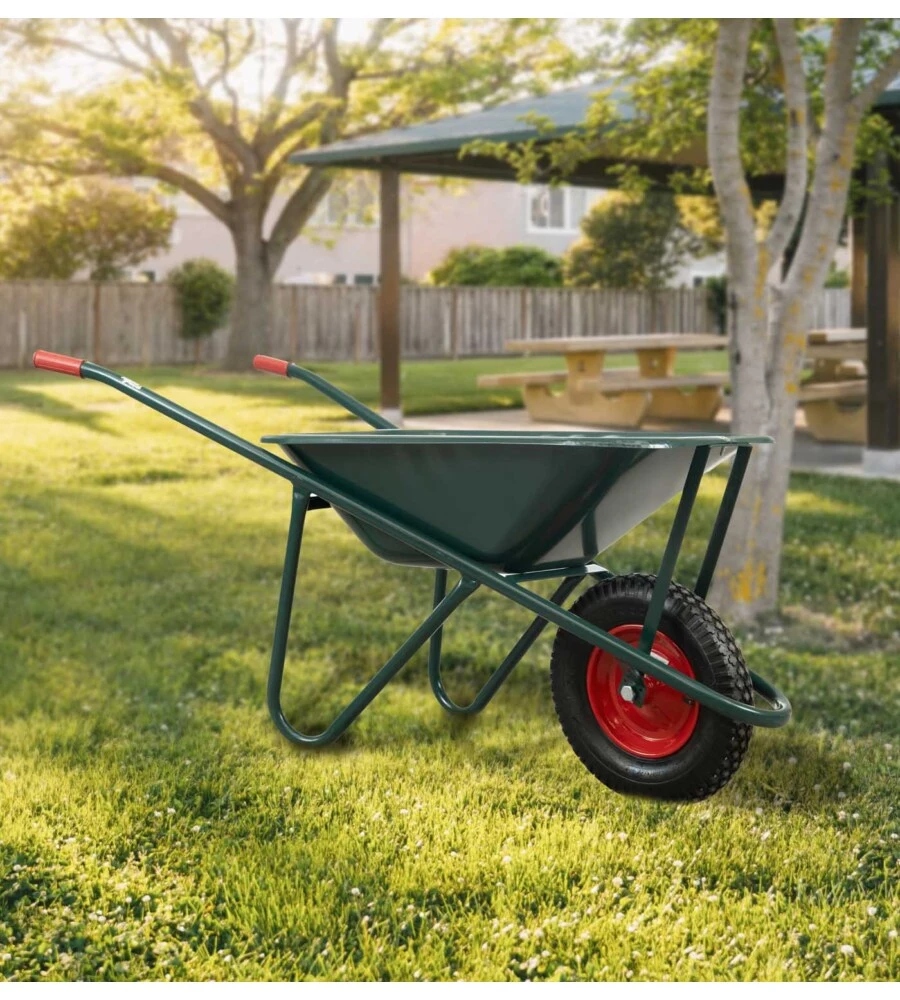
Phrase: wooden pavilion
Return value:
(439, 148)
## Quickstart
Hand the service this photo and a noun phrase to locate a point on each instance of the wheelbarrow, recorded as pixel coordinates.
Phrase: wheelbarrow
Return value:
(650, 686)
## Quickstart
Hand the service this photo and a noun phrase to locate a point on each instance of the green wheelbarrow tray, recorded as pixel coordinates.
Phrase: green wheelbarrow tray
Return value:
(514, 501)
(503, 509)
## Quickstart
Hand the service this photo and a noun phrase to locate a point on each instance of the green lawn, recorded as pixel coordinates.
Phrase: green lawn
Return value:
(153, 824)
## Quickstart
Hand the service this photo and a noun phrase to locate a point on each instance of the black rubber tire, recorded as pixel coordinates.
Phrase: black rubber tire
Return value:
(716, 747)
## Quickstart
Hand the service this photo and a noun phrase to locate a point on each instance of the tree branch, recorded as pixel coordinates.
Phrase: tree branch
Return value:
(191, 187)
(136, 166)
(723, 144)
(114, 58)
(227, 137)
(296, 213)
(878, 84)
(797, 167)
(288, 68)
(284, 131)
(833, 163)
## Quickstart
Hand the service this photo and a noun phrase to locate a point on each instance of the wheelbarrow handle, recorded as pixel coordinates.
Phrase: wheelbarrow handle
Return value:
(168, 408)
(263, 363)
(61, 363)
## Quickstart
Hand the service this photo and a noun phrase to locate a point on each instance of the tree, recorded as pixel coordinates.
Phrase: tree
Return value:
(205, 293)
(630, 241)
(216, 108)
(771, 306)
(772, 98)
(515, 266)
(99, 227)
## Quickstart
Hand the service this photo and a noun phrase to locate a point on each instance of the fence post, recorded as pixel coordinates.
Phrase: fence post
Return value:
(293, 323)
(357, 332)
(98, 325)
(23, 339)
(454, 324)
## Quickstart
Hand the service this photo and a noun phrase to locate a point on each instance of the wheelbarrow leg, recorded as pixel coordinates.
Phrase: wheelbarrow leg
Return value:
(416, 639)
(524, 643)
(632, 684)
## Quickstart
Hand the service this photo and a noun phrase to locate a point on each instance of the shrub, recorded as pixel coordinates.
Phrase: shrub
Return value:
(630, 241)
(205, 292)
(837, 278)
(513, 266)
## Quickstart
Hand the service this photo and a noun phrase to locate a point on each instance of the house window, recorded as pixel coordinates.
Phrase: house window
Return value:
(349, 204)
(363, 279)
(558, 209)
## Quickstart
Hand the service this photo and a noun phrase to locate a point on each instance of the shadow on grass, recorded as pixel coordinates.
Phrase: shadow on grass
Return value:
(44, 405)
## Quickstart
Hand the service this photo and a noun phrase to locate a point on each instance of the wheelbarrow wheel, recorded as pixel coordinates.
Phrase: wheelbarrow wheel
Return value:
(668, 747)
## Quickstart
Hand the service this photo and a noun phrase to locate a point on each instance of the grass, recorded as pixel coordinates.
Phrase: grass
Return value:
(153, 824)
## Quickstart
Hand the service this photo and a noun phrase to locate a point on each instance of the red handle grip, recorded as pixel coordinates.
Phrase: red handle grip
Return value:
(61, 363)
(263, 363)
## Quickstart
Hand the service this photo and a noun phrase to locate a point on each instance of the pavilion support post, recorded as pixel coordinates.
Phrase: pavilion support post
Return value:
(389, 296)
(882, 454)
(858, 271)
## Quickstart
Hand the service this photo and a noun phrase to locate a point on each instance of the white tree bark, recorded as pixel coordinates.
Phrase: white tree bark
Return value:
(768, 310)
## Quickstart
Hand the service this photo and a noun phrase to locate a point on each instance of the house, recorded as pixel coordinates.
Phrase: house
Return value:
(340, 245)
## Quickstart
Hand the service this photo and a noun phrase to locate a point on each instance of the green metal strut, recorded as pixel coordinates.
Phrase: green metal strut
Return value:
(394, 665)
(524, 643)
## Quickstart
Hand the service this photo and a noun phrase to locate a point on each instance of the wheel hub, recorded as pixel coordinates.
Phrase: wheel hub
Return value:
(664, 720)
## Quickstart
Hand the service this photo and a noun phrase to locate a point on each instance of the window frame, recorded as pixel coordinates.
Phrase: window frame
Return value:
(567, 228)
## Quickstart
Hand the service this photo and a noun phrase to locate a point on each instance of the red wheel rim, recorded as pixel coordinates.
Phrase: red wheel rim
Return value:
(664, 722)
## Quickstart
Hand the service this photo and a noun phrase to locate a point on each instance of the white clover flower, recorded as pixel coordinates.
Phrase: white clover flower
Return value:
(848, 949)
(355, 891)
(505, 860)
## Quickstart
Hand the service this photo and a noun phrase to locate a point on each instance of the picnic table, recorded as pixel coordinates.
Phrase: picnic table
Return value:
(834, 396)
(590, 393)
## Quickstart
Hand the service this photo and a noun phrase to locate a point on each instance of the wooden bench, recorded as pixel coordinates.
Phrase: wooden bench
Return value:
(618, 397)
(520, 378)
(836, 411)
(629, 379)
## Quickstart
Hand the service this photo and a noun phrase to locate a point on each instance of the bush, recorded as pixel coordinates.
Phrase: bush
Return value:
(205, 292)
(630, 242)
(837, 278)
(510, 266)
(717, 298)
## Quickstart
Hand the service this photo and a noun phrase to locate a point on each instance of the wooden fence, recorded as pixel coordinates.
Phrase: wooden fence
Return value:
(137, 324)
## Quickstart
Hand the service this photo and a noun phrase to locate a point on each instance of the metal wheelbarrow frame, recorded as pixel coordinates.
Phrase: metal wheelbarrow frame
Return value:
(313, 492)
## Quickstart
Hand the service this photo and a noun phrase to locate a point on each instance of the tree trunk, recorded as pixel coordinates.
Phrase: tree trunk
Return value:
(251, 314)
(747, 579)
